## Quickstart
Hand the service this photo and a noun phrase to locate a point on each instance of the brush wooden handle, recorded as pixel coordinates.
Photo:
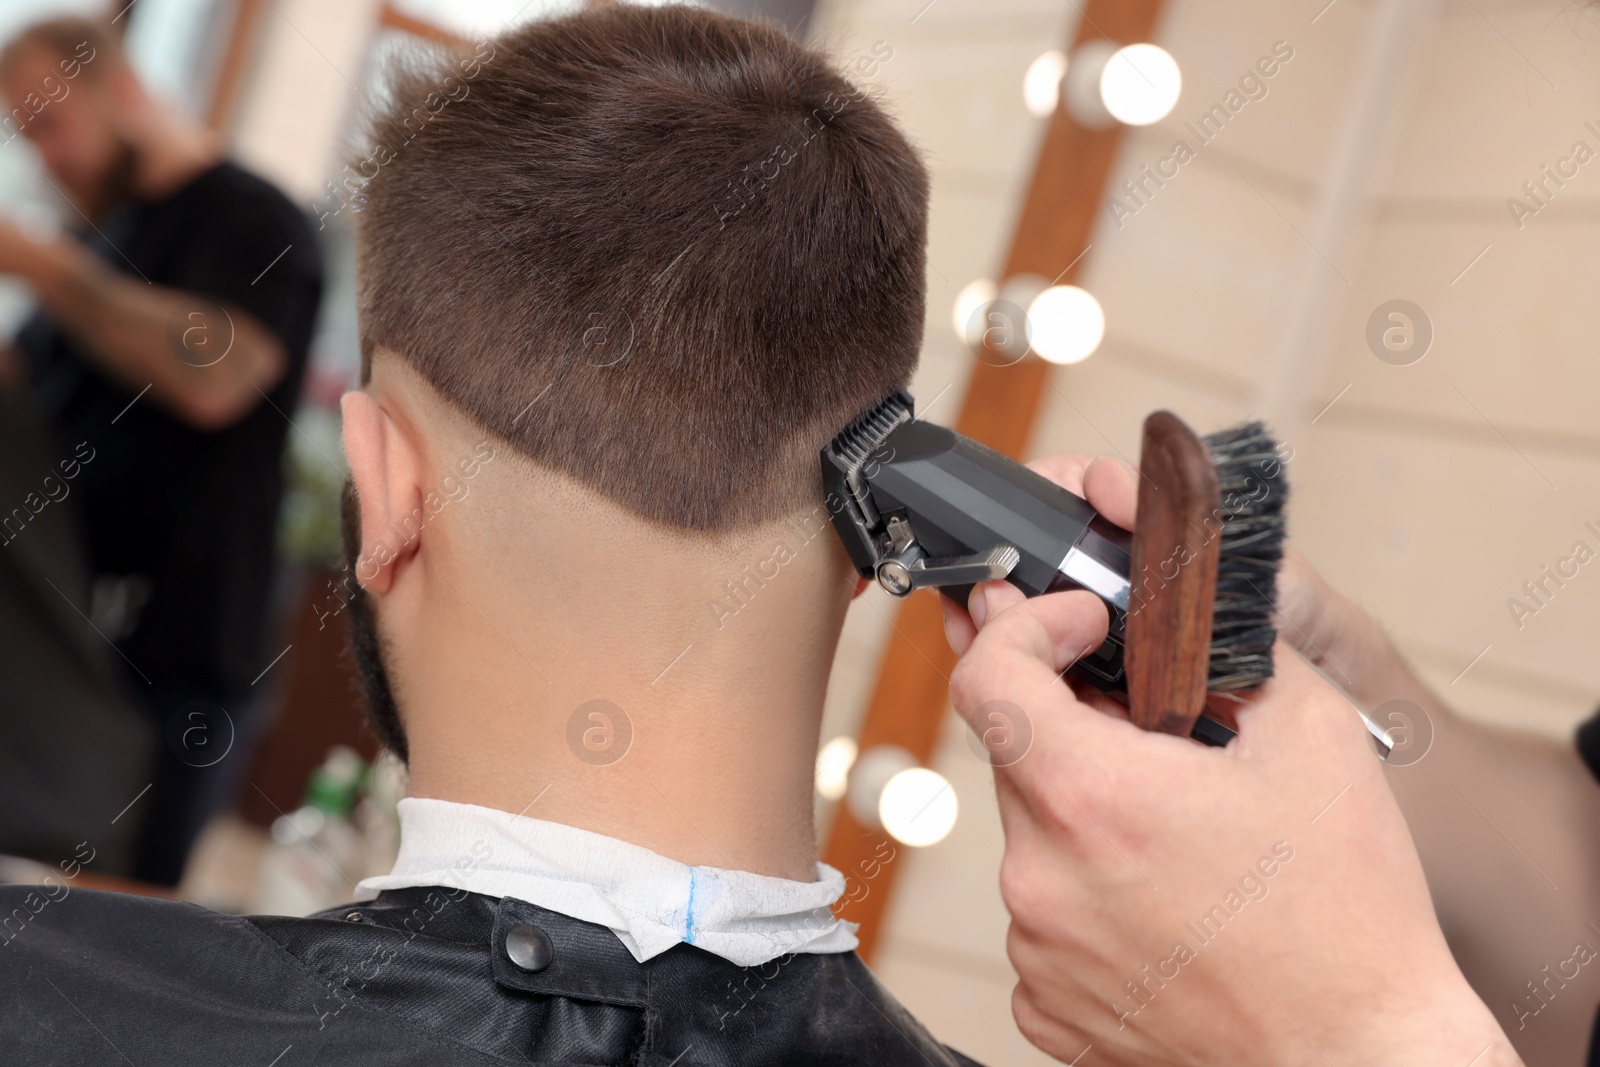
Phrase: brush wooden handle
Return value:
(1177, 542)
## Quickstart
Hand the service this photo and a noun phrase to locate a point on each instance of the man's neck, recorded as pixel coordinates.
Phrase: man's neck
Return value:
(674, 715)
(717, 786)
(171, 152)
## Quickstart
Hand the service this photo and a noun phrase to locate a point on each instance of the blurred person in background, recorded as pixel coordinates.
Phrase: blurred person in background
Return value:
(77, 748)
(165, 359)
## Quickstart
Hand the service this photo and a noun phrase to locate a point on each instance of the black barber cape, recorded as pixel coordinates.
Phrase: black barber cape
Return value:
(430, 977)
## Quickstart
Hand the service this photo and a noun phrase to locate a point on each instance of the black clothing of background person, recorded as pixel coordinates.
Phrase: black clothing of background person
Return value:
(425, 976)
(76, 748)
(180, 522)
(1588, 745)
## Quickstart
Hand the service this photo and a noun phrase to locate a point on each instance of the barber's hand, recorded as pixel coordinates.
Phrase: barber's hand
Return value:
(1171, 903)
(1330, 630)
(1337, 635)
(1109, 485)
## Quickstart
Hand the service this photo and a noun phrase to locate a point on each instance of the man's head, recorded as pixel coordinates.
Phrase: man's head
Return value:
(69, 90)
(660, 257)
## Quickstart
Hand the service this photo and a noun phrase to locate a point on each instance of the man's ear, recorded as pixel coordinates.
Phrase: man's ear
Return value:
(386, 468)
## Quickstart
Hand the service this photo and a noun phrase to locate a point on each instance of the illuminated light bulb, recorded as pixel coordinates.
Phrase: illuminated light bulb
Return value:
(1041, 86)
(917, 807)
(1082, 84)
(1066, 324)
(1021, 289)
(833, 767)
(1007, 330)
(973, 298)
(1140, 84)
(872, 772)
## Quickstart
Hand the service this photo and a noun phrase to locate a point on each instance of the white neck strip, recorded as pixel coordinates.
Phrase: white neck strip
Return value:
(650, 902)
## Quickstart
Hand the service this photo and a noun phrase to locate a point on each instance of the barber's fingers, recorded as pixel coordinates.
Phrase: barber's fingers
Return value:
(1098, 699)
(1016, 663)
(1307, 617)
(1065, 469)
(959, 629)
(1112, 488)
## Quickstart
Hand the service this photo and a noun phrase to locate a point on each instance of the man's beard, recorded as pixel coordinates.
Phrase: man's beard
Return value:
(366, 644)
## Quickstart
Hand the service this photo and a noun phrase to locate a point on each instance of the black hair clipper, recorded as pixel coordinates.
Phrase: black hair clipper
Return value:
(920, 505)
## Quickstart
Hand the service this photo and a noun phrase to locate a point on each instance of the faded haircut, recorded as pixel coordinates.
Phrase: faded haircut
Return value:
(663, 251)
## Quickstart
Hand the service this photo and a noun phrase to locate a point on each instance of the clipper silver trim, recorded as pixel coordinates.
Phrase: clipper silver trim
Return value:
(1096, 577)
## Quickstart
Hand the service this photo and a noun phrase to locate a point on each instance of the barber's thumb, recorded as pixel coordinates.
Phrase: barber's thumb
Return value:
(1057, 628)
(988, 599)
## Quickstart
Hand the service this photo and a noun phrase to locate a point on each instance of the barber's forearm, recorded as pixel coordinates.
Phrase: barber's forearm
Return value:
(1464, 785)
(202, 363)
(1504, 823)
(1499, 818)
(1460, 779)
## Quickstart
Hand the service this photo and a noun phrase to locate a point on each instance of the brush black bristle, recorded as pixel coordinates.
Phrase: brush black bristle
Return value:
(1254, 491)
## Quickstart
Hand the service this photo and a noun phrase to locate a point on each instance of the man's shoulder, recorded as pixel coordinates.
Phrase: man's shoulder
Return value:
(427, 975)
(61, 913)
(254, 205)
(230, 180)
(164, 981)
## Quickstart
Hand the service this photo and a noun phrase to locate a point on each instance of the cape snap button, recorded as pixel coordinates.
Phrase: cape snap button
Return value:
(529, 947)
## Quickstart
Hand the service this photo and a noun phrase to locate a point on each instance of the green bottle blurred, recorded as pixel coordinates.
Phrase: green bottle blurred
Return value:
(316, 855)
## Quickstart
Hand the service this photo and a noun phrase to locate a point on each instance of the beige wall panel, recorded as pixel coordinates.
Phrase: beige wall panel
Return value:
(943, 16)
(1485, 120)
(961, 874)
(943, 950)
(1435, 534)
(1198, 273)
(968, 232)
(1099, 406)
(978, 125)
(1515, 335)
(292, 121)
(1286, 130)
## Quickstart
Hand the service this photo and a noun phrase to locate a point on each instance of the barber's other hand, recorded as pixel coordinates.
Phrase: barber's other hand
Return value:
(17, 250)
(1337, 635)
(1172, 903)
(33, 261)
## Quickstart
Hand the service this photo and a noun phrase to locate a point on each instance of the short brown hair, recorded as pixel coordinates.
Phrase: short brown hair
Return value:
(666, 252)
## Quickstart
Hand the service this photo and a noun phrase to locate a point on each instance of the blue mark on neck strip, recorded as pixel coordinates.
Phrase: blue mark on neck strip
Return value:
(688, 922)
